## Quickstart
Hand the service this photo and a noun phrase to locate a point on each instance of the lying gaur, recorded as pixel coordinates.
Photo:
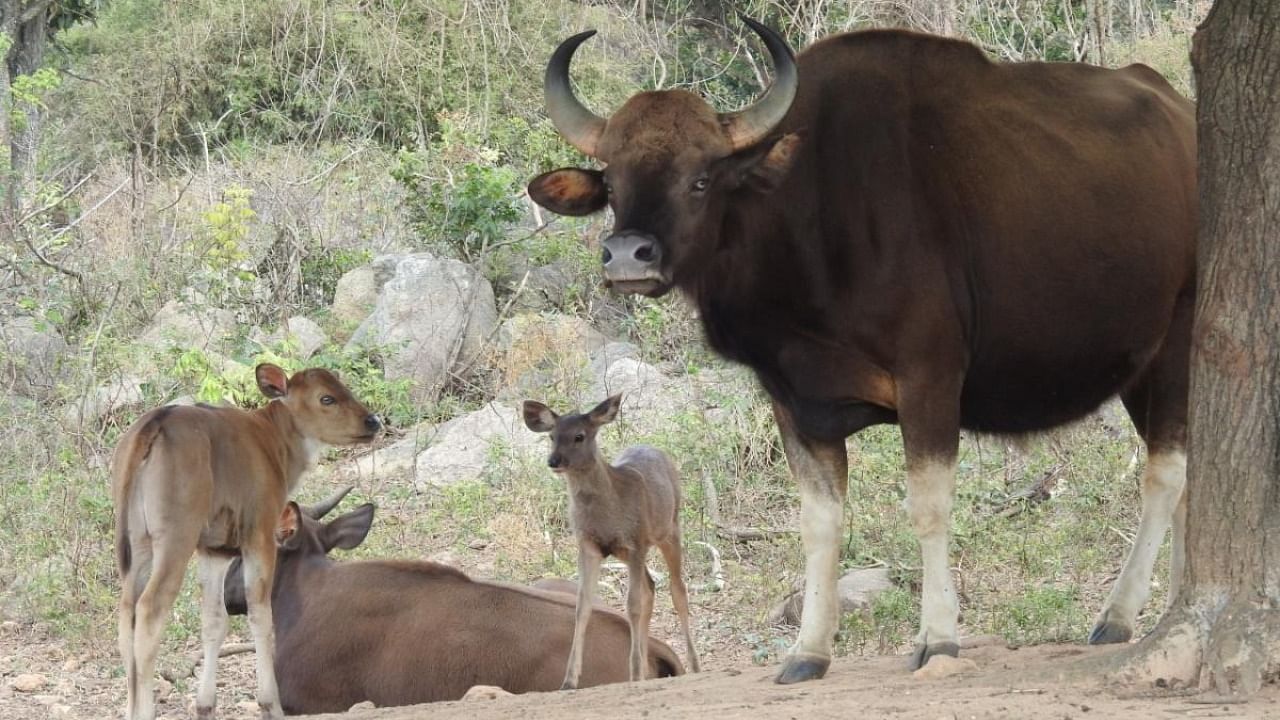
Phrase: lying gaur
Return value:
(400, 632)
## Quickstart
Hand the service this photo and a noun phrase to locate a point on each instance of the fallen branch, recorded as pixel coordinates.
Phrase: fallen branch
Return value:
(732, 532)
(717, 570)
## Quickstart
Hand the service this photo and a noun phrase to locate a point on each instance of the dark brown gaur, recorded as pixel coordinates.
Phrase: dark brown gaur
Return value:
(903, 231)
(620, 509)
(213, 481)
(401, 633)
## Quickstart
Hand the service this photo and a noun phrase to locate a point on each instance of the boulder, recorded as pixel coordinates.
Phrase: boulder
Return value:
(398, 458)
(189, 324)
(32, 357)
(858, 590)
(28, 682)
(462, 446)
(307, 336)
(104, 400)
(357, 291)
(541, 352)
(547, 287)
(432, 318)
(484, 692)
(944, 666)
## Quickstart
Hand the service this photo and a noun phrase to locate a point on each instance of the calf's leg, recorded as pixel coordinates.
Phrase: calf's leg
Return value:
(151, 613)
(639, 611)
(672, 553)
(589, 559)
(258, 564)
(213, 628)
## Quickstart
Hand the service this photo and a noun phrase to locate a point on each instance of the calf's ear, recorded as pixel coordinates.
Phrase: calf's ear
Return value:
(606, 411)
(570, 191)
(349, 530)
(538, 417)
(271, 380)
(288, 525)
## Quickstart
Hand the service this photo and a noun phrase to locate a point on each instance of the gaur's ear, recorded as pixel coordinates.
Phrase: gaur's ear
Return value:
(349, 530)
(287, 527)
(763, 166)
(606, 411)
(538, 417)
(271, 380)
(569, 191)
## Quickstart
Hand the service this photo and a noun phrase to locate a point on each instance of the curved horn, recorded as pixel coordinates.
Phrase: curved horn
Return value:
(751, 124)
(581, 127)
(322, 508)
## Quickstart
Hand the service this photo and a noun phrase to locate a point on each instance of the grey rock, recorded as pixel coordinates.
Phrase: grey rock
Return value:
(432, 318)
(357, 291)
(32, 357)
(189, 324)
(102, 401)
(538, 352)
(463, 446)
(307, 335)
(857, 589)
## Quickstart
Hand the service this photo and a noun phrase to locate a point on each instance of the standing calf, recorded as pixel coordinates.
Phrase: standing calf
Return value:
(213, 481)
(622, 510)
(396, 632)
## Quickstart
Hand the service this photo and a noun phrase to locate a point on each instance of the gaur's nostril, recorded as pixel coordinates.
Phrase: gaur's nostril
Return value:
(372, 423)
(553, 461)
(606, 256)
(644, 253)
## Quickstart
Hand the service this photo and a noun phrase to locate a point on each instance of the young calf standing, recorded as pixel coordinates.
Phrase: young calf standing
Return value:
(399, 632)
(622, 510)
(214, 481)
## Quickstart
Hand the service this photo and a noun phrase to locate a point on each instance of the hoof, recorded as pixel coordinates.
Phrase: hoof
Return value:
(799, 668)
(270, 711)
(922, 653)
(1110, 631)
(566, 685)
(205, 713)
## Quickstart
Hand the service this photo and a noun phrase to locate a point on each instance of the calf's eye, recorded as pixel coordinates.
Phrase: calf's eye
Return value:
(327, 400)
(701, 184)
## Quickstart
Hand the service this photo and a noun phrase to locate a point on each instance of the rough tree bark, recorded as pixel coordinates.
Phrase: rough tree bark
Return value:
(26, 24)
(1222, 632)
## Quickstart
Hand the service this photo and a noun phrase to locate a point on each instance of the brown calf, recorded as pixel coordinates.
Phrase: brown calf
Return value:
(622, 510)
(401, 633)
(213, 481)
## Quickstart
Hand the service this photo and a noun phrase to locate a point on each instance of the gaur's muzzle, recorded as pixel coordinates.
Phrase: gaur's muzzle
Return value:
(633, 264)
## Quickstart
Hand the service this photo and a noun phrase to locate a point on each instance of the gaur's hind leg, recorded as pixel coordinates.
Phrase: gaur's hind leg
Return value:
(1157, 403)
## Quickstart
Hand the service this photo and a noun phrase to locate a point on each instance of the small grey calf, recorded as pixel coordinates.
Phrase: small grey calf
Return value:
(620, 509)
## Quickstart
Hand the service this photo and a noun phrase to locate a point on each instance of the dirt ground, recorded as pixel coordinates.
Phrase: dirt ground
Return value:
(1001, 686)
(1002, 683)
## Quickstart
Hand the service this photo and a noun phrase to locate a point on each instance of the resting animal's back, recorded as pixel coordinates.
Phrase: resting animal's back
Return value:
(399, 633)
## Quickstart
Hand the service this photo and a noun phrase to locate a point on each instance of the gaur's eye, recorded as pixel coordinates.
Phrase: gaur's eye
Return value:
(608, 188)
(579, 437)
(700, 185)
(327, 400)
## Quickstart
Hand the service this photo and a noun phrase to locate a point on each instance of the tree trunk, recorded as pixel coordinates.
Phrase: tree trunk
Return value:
(27, 26)
(944, 15)
(1223, 630)
(8, 34)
